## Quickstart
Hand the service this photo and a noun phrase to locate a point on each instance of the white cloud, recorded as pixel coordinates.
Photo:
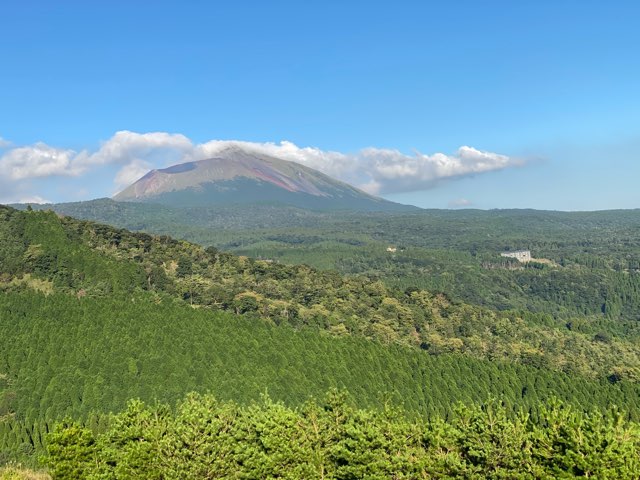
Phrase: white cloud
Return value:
(4, 143)
(392, 171)
(131, 172)
(460, 203)
(126, 147)
(39, 160)
(376, 170)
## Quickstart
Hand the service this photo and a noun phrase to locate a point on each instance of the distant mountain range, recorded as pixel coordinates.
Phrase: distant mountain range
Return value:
(237, 176)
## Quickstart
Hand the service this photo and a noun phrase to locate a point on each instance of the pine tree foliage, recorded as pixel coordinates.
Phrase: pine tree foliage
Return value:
(204, 438)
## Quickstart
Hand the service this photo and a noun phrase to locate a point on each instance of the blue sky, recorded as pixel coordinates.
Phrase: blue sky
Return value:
(552, 85)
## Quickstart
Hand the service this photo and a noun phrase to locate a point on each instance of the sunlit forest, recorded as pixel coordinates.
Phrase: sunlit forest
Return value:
(377, 377)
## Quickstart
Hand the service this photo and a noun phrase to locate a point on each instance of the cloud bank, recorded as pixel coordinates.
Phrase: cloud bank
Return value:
(39, 160)
(375, 170)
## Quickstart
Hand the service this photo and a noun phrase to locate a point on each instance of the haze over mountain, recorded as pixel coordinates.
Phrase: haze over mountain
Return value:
(241, 176)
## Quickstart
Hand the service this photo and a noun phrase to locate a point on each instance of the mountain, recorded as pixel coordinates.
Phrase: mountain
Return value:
(239, 176)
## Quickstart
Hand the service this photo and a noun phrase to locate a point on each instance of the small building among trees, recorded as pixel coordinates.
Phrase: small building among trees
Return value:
(520, 255)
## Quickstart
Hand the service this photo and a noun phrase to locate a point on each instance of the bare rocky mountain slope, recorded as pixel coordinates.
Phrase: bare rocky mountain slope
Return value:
(240, 176)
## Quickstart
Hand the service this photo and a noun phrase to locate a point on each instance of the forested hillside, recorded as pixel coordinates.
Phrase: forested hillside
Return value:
(83, 357)
(92, 316)
(591, 259)
(89, 259)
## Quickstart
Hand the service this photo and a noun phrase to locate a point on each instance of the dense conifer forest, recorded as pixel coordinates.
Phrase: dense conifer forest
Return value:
(93, 316)
(204, 438)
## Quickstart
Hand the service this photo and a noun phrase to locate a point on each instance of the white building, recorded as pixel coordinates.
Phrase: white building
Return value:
(520, 255)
